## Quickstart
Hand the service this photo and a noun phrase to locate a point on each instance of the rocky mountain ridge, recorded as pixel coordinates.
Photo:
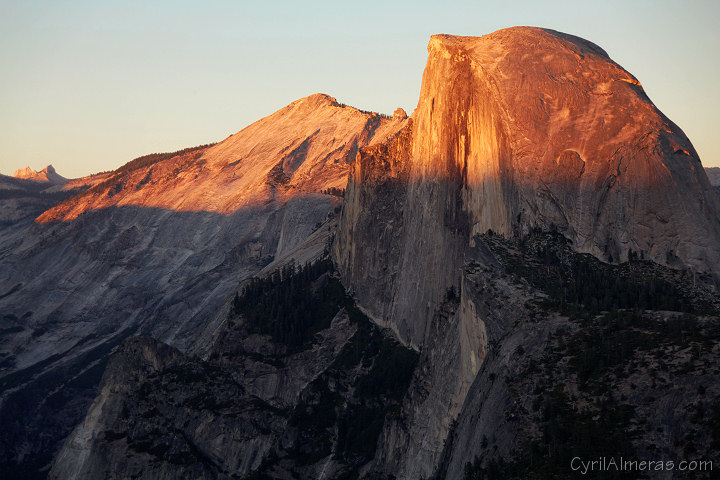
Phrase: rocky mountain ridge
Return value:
(268, 396)
(303, 148)
(155, 248)
(47, 174)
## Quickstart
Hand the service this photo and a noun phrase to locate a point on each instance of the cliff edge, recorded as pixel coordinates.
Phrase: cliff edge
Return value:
(522, 129)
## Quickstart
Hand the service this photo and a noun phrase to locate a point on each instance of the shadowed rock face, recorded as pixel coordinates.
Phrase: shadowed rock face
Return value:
(520, 129)
(713, 174)
(155, 249)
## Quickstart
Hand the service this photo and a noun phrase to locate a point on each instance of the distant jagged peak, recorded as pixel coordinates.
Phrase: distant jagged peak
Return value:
(24, 172)
(47, 174)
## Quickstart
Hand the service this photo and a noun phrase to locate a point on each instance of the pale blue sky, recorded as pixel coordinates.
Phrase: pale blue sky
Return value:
(89, 85)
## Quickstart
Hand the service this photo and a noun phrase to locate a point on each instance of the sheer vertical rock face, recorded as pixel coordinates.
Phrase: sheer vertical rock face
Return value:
(461, 137)
(519, 129)
(384, 234)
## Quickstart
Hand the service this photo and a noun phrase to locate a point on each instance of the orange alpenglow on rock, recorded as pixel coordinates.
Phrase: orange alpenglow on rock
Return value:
(400, 113)
(545, 127)
(301, 149)
(518, 129)
(47, 174)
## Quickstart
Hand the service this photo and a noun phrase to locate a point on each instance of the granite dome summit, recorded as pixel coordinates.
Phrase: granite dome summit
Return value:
(520, 129)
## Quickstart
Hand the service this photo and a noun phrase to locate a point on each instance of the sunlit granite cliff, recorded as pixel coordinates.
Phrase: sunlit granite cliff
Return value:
(520, 129)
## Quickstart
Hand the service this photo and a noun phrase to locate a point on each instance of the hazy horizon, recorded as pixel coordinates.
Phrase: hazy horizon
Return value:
(88, 87)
